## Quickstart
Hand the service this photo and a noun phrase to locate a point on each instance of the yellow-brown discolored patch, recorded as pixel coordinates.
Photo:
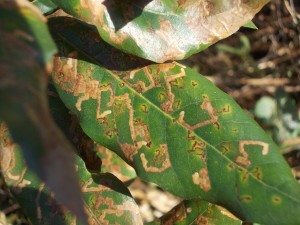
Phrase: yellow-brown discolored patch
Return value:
(8, 161)
(168, 105)
(111, 166)
(226, 146)
(202, 179)
(111, 207)
(194, 84)
(142, 133)
(179, 215)
(198, 148)
(246, 198)
(144, 108)
(201, 220)
(140, 86)
(206, 8)
(159, 163)
(245, 176)
(68, 78)
(206, 105)
(231, 166)
(257, 173)
(276, 200)
(139, 130)
(265, 146)
(244, 158)
(128, 150)
(180, 3)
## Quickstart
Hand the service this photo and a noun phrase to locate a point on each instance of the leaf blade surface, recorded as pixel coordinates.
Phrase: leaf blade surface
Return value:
(163, 30)
(174, 125)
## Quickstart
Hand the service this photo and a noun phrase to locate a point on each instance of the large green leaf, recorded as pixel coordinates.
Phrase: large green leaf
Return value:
(107, 201)
(197, 212)
(163, 30)
(26, 50)
(181, 132)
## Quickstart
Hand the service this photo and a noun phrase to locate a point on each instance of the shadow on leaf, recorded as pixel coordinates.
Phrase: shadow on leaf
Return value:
(123, 11)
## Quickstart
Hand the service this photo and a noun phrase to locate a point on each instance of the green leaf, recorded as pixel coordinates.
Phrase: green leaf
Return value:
(251, 25)
(26, 51)
(181, 132)
(45, 6)
(107, 201)
(197, 212)
(163, 30)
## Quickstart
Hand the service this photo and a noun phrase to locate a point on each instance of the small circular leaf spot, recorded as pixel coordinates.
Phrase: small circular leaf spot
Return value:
(276, 200)
(246, 198)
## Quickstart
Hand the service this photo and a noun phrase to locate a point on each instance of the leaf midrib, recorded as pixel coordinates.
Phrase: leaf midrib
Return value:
(171, 118)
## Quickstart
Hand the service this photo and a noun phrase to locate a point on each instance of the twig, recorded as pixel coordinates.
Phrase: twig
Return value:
(11, 209)
(291, 8)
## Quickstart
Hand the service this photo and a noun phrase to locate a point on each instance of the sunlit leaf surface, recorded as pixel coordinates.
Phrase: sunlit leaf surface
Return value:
(161, 30)
(181, 132)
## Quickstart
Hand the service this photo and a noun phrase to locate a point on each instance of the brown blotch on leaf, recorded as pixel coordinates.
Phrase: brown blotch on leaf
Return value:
(8, 161)
(206, 105)
(226, 146)
(231, 166)
(180, 3)
(264, 145)
(179, 214)
(245, 176)
(144, 108)
(169, 80)
(142, 132)
(159, 163)
(257, 173)
(202, 179)
(276, 200)
(198, 148)
(138, 129)
(68, 78)
(111, 166)
(246, 198)
(128, 150)
(206, 7)
(110, 206)
(191, 135)
(243, 159)
(201, 220)
(140, 86)
(194, 83)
